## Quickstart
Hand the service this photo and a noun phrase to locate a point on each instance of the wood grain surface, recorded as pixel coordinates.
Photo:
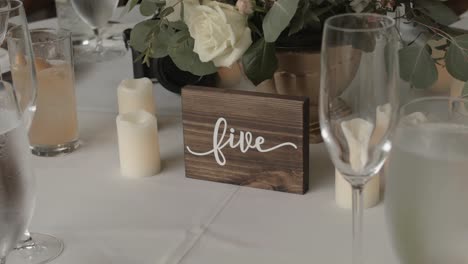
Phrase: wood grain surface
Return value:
(276, 118)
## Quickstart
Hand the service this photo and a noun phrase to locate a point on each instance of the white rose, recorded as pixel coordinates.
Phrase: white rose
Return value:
(245, 7)
(220, 32)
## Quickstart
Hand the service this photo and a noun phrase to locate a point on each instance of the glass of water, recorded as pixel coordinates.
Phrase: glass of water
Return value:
(426, 182)
(16, 179)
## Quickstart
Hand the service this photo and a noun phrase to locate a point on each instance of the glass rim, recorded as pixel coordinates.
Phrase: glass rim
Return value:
(345, 29)
(432, 98)
(18, 4)
(61, 34)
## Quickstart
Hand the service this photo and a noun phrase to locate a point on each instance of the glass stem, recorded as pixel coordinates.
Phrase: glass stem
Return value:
(99, 41)
(358, 212)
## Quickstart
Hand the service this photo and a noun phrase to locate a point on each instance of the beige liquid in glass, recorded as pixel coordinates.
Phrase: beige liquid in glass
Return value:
(55, 121)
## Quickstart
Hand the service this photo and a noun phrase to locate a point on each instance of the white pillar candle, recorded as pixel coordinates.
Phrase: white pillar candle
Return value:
(344, 194)
(358, 134)
(138, 144)
(381, 127)
(136, 94)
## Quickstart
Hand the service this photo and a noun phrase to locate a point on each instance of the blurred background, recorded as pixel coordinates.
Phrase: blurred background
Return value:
(42, 9)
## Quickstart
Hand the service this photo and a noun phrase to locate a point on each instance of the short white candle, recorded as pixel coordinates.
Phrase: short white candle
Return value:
(138, 144)
(136, 94)
(344, 194)
(358, 141)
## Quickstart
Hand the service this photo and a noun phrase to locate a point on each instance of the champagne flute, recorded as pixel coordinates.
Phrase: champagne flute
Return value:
(16, 179)
(359, 71)
(97, 13)
(35, 247)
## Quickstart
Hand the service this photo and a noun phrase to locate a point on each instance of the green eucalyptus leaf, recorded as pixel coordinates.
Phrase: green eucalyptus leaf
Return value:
(160, 43)
(177, 25)
(129, 7)
(260, 62)
(417, 67)
(456, 58)
(140, 33)
(181, 52)
(147, 7)
(298, 21)
(158, 2)
(278, 18)
(166, 11)
(438, 11)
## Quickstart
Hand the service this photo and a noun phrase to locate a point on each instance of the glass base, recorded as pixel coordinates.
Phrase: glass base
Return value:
(52, 151)
(42, 249)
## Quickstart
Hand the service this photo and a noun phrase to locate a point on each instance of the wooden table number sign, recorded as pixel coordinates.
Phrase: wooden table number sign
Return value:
(246, 138)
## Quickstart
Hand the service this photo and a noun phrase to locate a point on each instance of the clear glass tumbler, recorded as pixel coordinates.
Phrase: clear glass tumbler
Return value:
(54, 129)
(426, 180)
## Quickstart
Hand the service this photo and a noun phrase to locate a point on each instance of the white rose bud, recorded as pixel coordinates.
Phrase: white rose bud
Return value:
(245, 7)
(220, 32)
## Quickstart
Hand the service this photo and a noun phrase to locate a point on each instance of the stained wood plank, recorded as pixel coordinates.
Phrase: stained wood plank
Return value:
(277, 118)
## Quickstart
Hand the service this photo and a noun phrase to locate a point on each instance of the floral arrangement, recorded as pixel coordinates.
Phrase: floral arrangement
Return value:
(202, 35)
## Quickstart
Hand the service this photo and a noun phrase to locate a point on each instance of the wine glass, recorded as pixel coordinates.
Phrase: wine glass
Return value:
(96, 13)
(35, 247)
(5, 8)
(16, 179)
(359, 73)
(426, 179)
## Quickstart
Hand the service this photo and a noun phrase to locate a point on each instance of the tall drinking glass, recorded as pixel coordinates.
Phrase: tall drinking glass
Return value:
(426, 182)
(54, 129)
(359, 73)
(16, 179)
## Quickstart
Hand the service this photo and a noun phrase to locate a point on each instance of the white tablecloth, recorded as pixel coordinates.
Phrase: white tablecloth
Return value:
(169, 219)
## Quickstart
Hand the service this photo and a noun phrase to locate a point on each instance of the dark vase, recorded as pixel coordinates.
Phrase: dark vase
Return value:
(164, 71)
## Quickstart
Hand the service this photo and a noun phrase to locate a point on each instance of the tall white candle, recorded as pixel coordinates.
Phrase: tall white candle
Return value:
(138, 144)
(136, 94)
(359, 133)
(344, 194)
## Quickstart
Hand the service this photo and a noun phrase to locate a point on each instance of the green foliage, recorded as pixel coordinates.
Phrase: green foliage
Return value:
(260, 62)
(299, 20)
(148, 8)
(278, 18)
(456, 58)
(181, 52)
(417, 66)
(159, 38)
(131, 4)
(436, 10)
(142, 33)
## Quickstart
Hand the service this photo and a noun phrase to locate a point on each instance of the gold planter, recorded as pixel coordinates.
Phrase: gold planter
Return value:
(299, 74)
